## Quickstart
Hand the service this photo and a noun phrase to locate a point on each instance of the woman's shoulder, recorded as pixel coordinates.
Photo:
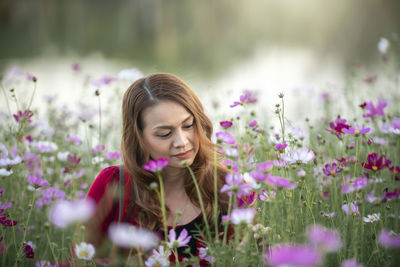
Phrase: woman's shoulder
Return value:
(99, 185)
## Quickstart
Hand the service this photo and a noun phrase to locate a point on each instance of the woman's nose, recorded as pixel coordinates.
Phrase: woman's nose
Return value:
(180, 139)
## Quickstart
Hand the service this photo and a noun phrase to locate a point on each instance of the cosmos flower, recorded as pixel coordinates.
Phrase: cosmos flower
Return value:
(28, 250)
(45, 146)
(290, 255)
(331, 170)
(351, 208)
(375, 163)
(37, 181)
(226, 124)
(235, 185)
(128, 236)
(84, 251)
(265, 166)
(105, 80)
(64, 213)
(356, 130)
(181, 241)
(159, 258)
(372, 218)
(225, 137)
(281, 182)
(371, 197)
(130, 75)
(390, 195)
(266, 196)
(389, 239)
(113, 155)
(298, 133)
(337, 126)
(230, 164)
(351, 263)
(73, 139)
(324, 239)
(97, 149)
(253, 124)
(243, 98)
(303, 155)
(239, 216)
(26, 115)
(375, 110)
(281, 146)
(203, 255)
(156, 165)
(358, 184)
(383, 45)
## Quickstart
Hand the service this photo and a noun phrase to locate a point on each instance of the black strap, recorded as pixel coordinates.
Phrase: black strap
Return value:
(121, 196)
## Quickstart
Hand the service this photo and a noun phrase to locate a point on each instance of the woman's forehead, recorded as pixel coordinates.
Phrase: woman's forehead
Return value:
(165, 114)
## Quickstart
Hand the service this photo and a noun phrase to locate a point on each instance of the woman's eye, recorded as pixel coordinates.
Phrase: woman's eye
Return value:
(188, 126)
(164, 135)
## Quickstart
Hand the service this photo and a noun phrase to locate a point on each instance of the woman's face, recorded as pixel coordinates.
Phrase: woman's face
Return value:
(170, 132)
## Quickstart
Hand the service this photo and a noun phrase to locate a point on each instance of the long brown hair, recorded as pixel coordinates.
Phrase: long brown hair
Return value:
(146, 92)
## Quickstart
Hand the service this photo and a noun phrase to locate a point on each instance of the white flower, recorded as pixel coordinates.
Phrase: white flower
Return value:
(250, 180)
(299, 133)
(204, 255)
(45, 146)
(130, 74)
(7, 161)
(97, 159)
(159, 258)
(242, 216)
(383, 45)
(84, 251)
(4, 172)
(299, 156)
(64, 212)
(62, 156)
(372, 218)
(127, 236)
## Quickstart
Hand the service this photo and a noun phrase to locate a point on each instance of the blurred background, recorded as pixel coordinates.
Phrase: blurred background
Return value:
(219, 47)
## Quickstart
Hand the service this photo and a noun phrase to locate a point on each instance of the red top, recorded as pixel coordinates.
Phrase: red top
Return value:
(110, 175)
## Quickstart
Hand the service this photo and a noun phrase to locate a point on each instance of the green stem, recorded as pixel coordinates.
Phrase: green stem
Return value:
(163, 208)
(98, 97)
(215, 195)
(203, 211)
(226, 225)
(33, 94)
(51, 248)
(5, 97)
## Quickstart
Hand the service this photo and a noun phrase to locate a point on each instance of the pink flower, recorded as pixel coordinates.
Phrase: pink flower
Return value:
(37, 181)
(281, 146)
(181, 241)
(113, 155)
(203, 254)
(98, 148)
(351, 263)
(230, 164)
(23, 116)
(281, 182)
(375, 110)
(327, 240)
(103, 81)
(289, 255)
(225, 124)
(358, 184)
(243, 99)
(225, 137)
(239, 216)
(265, 196)
(156, 165)
(375, 163)
(64, 213)
(356, 130)
(265, 166)
(73, 139)
(235, 185)
(331, 169)
(353, 209)
(253, 124)
(389, 240)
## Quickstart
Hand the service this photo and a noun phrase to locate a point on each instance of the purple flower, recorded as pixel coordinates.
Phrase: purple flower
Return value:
(239, 216)
(358, 184)
(230, 164)
(181, 241)
(76, 67)
(371, 197)
(375, 163)
(351, 263)
(337, 126)
(3, 216)
(37, 181)
(281, 146)
(113, 155)
(242, 100)
(389, 240)
(265, 196)
(64, 213)
(225, 124)
(98, 149)
(331, 169)
(247, 200)
(48, 195)
(375, 110)
(73, 139)
(253, 124)
(289, 255)
(327, 240)
(390, 195)
(225, 137)
(28, 251)
(265, 166)
(203, 255)
(103, 81)
(156, 165)
(23, 116)
(235, 185)
(356, 130)
(259, 176)
(281, 182)
(353, 209)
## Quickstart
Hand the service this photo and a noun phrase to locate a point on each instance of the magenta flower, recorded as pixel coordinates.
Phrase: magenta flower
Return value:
(356, 130)
(230, 164)
(181, 241)
(37, 181)
(28, 251)
(396, 172)
(253, 124)
(3, 216)
(337, 126)
(247, 200)
(73, 159)
(235, 185)
(331, 170)
(225, 124)
(389, 240)
(289, 255)
(239, 216)
(375, 163)
(113, 155)
(324, 239)
(375, 110)
(390, 195)
(23, 116)
(242, 100)
(259, 176)
(281, 146)
(156, 165)
(281, 182)
(353, 209)
(265, 166)
(358, 184)
(225, 137)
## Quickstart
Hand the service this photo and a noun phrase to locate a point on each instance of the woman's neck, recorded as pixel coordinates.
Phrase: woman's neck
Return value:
(173, 179)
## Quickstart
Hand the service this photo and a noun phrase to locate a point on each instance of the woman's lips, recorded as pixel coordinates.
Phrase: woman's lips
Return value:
(184, 155)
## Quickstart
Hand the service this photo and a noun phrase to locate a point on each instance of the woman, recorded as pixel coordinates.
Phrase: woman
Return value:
(162, 118)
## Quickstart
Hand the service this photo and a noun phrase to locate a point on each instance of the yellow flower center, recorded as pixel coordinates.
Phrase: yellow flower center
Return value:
(372, 218)
(395, 172)
(83, 254)
(374, 168)
(356, 132)
(333, 172)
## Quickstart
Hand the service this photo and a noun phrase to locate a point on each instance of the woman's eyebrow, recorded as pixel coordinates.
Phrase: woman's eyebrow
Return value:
(171, 127)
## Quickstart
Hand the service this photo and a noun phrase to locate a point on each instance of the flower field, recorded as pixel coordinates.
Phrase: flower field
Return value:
(326, 193)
